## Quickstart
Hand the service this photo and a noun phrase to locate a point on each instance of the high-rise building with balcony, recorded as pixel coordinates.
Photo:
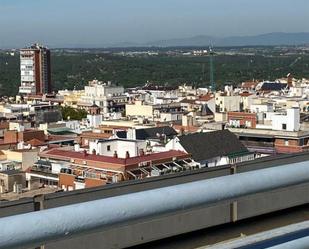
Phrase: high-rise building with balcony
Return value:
(35, 70)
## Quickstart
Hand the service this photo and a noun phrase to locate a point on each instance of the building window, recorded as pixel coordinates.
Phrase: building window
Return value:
(286, 142)
(108, 148)
(301, 142)
(283, 126)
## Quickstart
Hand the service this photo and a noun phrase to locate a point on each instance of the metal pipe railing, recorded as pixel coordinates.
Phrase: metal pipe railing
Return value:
(281, 237)
(40, 227)
(301, 243)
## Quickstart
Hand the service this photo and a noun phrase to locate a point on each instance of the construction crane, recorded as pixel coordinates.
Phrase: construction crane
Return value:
(211, 69)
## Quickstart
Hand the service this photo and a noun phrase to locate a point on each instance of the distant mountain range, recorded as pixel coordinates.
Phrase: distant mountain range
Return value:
(270, 39)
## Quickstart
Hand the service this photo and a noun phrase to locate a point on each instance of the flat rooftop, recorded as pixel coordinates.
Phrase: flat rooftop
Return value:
(269, 133)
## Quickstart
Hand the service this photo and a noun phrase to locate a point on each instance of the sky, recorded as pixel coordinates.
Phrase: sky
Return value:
(108, 22)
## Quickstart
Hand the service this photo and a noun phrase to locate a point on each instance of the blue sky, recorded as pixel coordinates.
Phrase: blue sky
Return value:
(61, 22)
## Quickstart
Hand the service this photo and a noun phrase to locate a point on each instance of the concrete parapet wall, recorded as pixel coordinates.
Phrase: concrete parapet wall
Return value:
(177, 223)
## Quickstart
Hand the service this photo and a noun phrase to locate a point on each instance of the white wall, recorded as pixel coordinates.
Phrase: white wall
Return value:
(99, 91)
(261, 108)
(100, 94)
(174, 144)
(296, 91)
(228, 103)
(75, 125)
(167, 117)
(19, 126)
(217, 161)
(247, 101)
(293, 116)
(152, 95)
(291, 120)
(56, 167)
(94, 120)
(212, 105)
(108, 147)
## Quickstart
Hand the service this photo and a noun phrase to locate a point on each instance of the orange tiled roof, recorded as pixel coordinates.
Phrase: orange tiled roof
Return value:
(186, 128)
(67, 155)
(206, 97)
(188, 101)
(35, 142)
(245, 94)
(4, 125)
(96, 135)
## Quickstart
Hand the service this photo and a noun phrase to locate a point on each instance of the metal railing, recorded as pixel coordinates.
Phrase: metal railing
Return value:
(41, 227)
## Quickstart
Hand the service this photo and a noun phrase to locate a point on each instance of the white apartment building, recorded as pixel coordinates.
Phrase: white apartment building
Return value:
(287, 122)
(110, 98)
(225, 103)
(158, 94)
(27, 72)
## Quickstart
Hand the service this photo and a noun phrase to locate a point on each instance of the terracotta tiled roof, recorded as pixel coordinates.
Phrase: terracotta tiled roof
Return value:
(4, 125)
(59, 137)
(54, 146)
(35, 142)
(245, 94)
(206, 97)
(114, 127)
(187, 101)
(24, 150)
(67, 155)
(3, 143)
(186, 128)
(96, 135)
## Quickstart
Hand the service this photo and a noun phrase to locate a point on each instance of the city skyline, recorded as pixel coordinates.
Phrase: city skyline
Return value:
(58, 23)
(154, 124)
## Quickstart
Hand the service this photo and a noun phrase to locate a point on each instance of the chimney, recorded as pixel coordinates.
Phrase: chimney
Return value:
(290, 80)
(127, 154)
(115, 154)
(76, 147)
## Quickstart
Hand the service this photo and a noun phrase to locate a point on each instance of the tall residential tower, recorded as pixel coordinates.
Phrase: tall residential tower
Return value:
(35, 70)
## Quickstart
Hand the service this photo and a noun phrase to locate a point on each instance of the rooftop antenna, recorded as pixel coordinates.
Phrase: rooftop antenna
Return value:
(211, 69)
